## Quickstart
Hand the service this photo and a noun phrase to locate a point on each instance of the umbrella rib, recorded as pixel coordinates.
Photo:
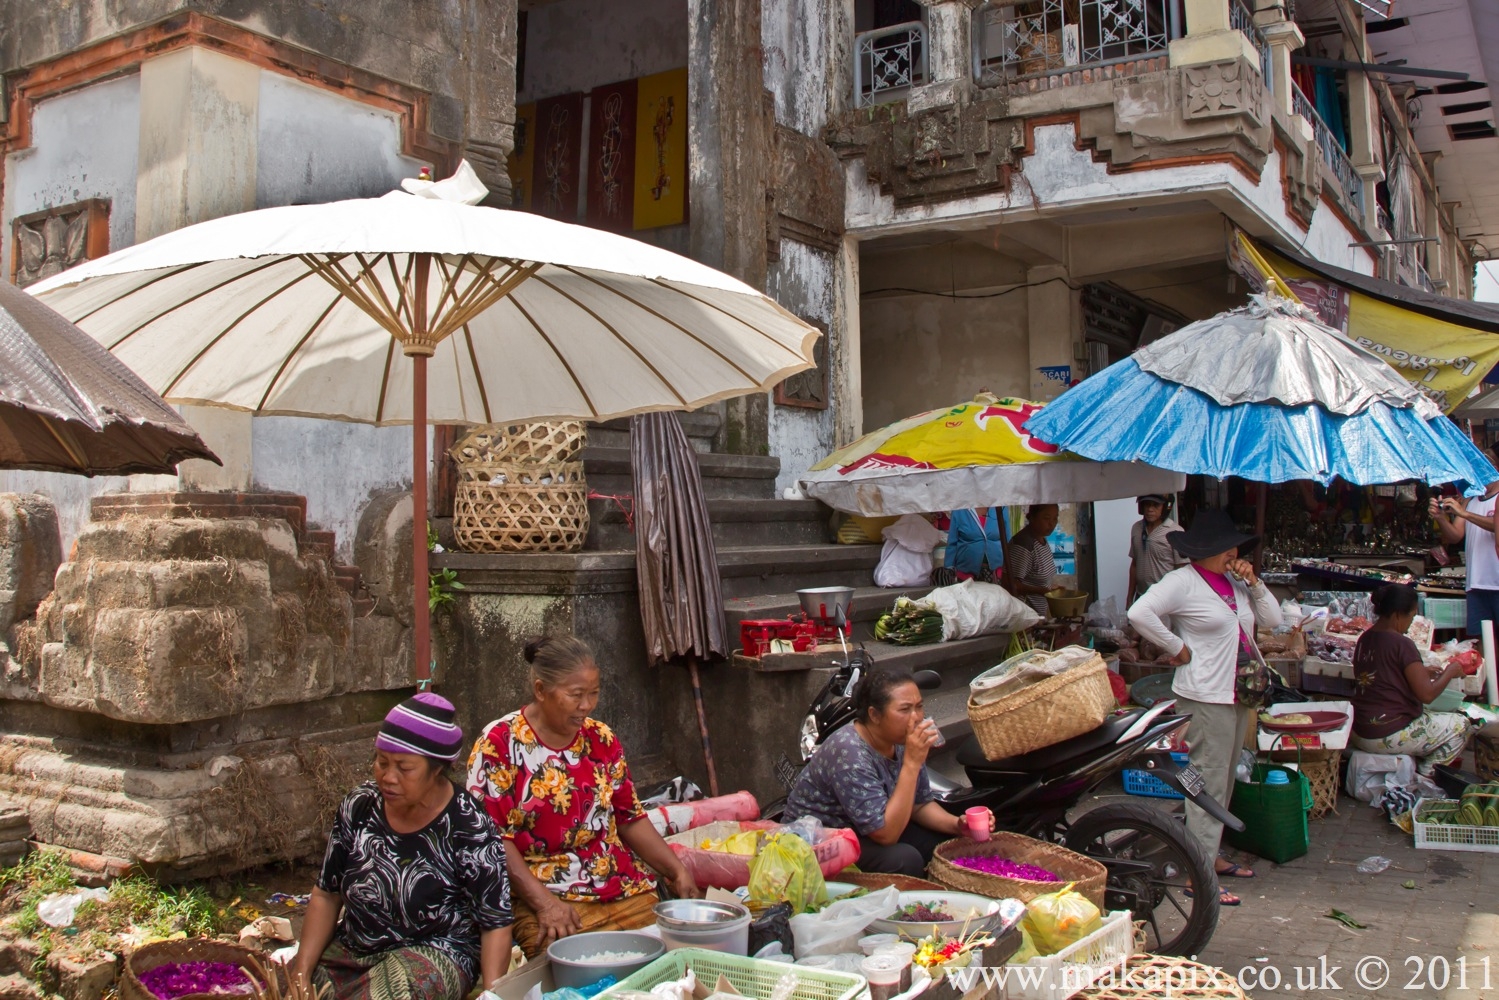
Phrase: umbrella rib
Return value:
(214, 342)
(163, 276)
(558, 355)
(184, 302)
(665, 319)
(67, 444)
(390, 349)
(473, 360)
(286, 361)
(330, 271)
(717, 308)
(632, 348)
(483, 300)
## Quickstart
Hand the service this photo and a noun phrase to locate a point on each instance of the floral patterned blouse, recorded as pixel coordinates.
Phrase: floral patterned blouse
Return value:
(562, 807)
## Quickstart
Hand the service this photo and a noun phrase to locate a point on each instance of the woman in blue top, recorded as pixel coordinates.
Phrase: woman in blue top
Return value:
(975, 548)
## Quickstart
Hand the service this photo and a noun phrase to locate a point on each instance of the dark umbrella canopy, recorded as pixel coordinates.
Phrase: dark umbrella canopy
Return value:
(68, 405)
(681, 598)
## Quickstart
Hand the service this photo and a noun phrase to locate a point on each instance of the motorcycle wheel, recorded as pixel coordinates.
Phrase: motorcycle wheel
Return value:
(1175, 923)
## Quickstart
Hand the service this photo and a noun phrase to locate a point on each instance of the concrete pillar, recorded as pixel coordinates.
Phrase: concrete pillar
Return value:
(1209, 37)
(1284, 37)
(848, 393)
(198, 132)
(490, 54)
(949, 46)
(1053, 315)
(730, 140)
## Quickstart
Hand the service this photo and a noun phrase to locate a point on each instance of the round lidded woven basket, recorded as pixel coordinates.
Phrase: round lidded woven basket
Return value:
(1067, 866)
(1058, 708)
(149, 956)
(1486, 752)
(521, 489)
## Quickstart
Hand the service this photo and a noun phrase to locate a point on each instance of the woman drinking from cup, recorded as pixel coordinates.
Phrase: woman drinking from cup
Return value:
(871, 777)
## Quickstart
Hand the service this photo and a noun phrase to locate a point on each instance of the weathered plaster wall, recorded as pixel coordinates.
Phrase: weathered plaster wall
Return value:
(807, 45)
(925, 351)
(315, 146)
(806, 281)
(85, 144)
(581, 44)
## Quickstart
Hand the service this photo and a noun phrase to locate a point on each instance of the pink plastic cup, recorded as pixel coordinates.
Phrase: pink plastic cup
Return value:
(977, 821)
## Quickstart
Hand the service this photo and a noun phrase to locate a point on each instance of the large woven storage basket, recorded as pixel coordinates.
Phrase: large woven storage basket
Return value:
(520, 488)
(1486, 752)
(1068, 866)
(149, 956)
(1047, 712)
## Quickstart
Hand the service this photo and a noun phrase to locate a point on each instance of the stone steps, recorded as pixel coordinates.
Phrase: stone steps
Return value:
(735, 523)
(700, 426)
(740, 477)
(772, 569)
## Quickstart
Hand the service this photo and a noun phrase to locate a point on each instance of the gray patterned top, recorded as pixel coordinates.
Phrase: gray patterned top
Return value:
(439, 887)
(847, 784)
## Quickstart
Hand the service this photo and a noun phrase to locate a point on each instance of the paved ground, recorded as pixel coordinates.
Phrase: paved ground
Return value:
(1416, 940)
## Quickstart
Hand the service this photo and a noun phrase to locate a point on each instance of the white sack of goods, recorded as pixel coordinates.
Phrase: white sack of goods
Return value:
(1024, 670)
(972, 608)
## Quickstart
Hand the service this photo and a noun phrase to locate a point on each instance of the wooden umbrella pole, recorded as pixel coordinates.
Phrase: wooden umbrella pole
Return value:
(419, 349)
(702, 726)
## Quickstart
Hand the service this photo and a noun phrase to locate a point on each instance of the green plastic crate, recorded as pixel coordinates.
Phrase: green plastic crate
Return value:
(755, 978)
(1445, 612)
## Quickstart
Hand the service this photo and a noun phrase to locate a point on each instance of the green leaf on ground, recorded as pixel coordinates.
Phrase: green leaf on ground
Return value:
(1345, 919)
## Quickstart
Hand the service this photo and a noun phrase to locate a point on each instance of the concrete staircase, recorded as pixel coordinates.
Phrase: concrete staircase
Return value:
(768, 548)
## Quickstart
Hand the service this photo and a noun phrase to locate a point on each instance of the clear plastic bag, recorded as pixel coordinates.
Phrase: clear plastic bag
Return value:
(1060, 918)
(1105, 614)
(837, 929)
(786, 871)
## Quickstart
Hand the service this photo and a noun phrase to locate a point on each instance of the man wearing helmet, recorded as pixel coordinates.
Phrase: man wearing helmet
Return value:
(1150, 555)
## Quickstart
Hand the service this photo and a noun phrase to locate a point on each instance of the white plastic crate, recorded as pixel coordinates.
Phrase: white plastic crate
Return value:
(1444, 837)
(1076, 967)
(1445, 612)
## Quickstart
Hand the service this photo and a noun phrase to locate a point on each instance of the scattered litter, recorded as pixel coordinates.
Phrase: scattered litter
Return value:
(1345, 920)
(287, 899)
(1374, 865)
(267, 929)
(1409, 883)
(59, 909)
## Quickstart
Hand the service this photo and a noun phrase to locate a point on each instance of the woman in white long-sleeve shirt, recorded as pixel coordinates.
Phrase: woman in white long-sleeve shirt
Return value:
(1202, 615)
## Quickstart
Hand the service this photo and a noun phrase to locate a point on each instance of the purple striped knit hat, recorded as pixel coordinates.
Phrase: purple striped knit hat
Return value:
(422, 724)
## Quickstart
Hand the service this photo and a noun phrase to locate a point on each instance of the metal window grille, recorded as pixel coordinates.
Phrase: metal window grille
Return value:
(1041, 36)
(1241, 19)
(888, 62)
(1333, 155)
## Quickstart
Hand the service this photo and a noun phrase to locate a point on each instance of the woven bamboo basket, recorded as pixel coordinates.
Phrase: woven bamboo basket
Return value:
(1144, 975)
(1047, 712)
(874, 881)
(1486, 752)
(1068, 866)
(1322, 773)
(521, 488)
(149, 956)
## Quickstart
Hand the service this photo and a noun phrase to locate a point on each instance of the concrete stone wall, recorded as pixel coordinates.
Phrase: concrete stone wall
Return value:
(577, 45)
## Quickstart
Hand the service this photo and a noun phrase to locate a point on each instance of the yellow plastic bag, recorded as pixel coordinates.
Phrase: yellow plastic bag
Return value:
(786, 870)
(743, 843)
(1059, 919)
(1027, 949)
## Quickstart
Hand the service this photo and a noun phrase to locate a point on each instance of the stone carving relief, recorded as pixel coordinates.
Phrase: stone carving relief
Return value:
(51, 241)
(1226, 88)
(809, 389)
(936, 154)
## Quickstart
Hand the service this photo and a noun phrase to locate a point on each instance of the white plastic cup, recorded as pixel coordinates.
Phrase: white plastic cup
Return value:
(936, 731)
(905, 951)
(883, 973)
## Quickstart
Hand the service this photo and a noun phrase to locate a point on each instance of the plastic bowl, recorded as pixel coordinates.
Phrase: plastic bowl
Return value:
(567, 970)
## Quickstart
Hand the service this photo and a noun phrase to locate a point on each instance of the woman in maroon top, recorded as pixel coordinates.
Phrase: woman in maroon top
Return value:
(1394, 687)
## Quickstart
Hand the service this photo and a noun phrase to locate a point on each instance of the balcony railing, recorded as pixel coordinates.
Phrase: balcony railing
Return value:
(1333, 156)
(1043, 36)
(888, 62)
(1241, 19)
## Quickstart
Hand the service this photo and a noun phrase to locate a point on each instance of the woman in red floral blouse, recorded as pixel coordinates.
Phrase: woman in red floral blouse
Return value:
(556, 784)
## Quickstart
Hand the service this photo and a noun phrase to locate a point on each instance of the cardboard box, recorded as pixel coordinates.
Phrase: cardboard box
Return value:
(1314, 667)
(515, 985)
(1335, 740)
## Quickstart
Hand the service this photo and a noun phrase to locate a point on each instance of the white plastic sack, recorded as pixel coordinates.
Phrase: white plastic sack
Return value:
(972, 608)
(59, 909)
(906, 560)
(837, 929)
(1370, 775)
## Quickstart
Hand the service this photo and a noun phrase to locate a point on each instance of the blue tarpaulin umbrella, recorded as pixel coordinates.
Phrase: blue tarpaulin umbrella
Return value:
(1264, 393)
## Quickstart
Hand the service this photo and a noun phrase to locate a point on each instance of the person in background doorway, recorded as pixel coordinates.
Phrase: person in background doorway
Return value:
(1473, 525)
(1032, 568)
(1150, 554)
(975, 548)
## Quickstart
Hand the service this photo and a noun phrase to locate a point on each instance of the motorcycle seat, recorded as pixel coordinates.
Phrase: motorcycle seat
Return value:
(971, 755)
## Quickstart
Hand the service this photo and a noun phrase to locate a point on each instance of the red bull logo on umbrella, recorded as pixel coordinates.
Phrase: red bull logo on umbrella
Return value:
(1015, 413)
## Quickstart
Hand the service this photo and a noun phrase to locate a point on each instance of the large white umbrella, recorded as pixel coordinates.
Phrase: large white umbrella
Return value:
(506, 316)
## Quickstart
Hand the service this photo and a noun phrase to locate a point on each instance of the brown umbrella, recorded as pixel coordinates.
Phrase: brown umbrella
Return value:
(68, 405)
(681, 600)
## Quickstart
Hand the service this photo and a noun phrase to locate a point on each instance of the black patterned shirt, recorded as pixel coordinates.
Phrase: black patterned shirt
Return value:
(439, 887)
(848, 783)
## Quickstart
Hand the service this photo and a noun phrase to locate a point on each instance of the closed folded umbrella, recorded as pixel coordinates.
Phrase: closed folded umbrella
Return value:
(68, 405)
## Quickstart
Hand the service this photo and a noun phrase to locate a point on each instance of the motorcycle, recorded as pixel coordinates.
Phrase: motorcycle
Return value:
(1155, 868)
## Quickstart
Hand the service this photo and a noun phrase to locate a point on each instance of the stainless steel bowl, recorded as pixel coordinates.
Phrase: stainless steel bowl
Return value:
(697, 914)
(832, 603)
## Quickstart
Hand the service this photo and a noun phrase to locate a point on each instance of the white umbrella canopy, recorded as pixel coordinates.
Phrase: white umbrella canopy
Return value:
(306, 309)
(294, 310)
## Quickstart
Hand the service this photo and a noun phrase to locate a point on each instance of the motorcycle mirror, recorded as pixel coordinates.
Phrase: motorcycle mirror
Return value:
(927, 680)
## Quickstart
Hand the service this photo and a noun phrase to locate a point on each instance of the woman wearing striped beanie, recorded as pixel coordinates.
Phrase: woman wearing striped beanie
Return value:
(413, 900)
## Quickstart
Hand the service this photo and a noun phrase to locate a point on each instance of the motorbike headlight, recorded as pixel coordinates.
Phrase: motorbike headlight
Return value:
(808, 740)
